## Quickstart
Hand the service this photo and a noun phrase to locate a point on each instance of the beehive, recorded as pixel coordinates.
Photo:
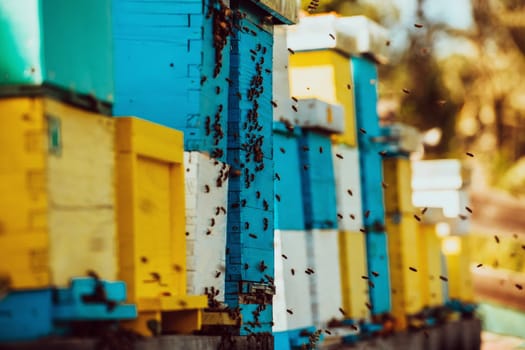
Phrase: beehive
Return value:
(41, 49)
(151, 226)
(206, 194)
(58, 199)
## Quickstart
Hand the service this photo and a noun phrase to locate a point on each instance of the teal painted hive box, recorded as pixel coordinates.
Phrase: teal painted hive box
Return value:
(61, 46)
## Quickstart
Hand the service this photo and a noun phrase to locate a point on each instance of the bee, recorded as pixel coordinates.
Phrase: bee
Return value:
(294, 108)
(283, 151)
(278, 198)
(289, 311)
(384, 184)
(218, 90)
(265, 205)
(246, 266)
(468, 209)
(387, 43)
(295, 99)
(339, 216)
(469, 154)
(284, 256)
(349, 87)
(144, 260)
(367, 213)
(206, 189)
(305, 167)
(382, 153)
(349, 191)
(274, 104)
(217, 274)
(331, 36)
(265, 224)
(340, 156)
(424, 210)
(327, 332)
(291, 51)
(208, 232)
(369, 306)
(320, 149)
(246, 225)
(292, 271)
(479, 265)
(252, 235)
(375, 274)
(364, 277)
(417, 217)
(519, 286)
(342, 311)
(406, 91)
(362, 230)
(371, 284)
(443, 278)
(212, 222)
(352, 216)
(413, 269)
(497, 239)
(363, 131)
(462, 217)
(277, 177)
(203, 79)
(417, 25)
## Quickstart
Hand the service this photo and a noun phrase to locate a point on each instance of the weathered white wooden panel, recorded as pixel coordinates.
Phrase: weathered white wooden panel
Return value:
(206, 205)
(347, 178)
(81, 185)
(327, 276)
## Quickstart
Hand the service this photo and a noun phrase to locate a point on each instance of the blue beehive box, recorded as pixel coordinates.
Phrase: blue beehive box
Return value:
(365, 90)
(26, 315)
(166, 69)
(318, 180)
(287, 184)
(60, 45)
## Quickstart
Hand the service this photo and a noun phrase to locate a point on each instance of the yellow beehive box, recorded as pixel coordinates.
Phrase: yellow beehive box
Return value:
(151, 225)
(352, 256)
(405, 263)
(57, 197)
(430, 266)
(397, 175)
(326, 75)
(457, 254)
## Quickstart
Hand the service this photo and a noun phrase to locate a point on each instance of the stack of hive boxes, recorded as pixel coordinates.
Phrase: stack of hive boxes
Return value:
(205, 67)
(57, 203)
(325, 65)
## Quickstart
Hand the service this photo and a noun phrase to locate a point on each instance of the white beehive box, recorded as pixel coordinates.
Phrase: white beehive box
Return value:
(206, 203)
(292, 291)
(354, 35)
(281, 81)
(347, 178)
(314, 113)
(326, 281)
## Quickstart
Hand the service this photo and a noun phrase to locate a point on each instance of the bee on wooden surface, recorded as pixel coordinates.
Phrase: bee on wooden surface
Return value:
(384, 184)
(294, 108)
(387, 43)
(417, 217)
(283, 151)
(339, 216)
(305, 167)
(265, 205)
(203, 79)
(284, 256)
(217, 274)
(246, 266)
(208, 232)
(469, 154)
(352, 216)
(295, 99)
(265, 224)
(468, 209)
(320, 149)
(349, 191)
(246, 225)
(342, 311)
(496, 238)
(340, 156)
(413, 269)
(331, 36)
(274, 104)
(327, 332)
(462, 217)
(363, 131)
(277, 177)
(306, 148)
(212, 222)
(364, 277)
(375, 274)
(418, 25)
(292, 271)
(443, 278)
(368, 306)
(289, 311)
(424, 210)
(367, 213)
(519, 286)
(382, 153)
(406, 91)
(291, 51)
(479, 265)
(143, 259)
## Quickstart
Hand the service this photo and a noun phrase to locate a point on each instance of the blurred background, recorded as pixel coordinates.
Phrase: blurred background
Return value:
(456, 73)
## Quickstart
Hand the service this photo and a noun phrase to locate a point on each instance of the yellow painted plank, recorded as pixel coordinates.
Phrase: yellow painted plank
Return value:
(325, 74)
(458, 269)
(352, 253)
(403, 236)
(25, 259)
(397, 174)
(431, 266)
(151, 219)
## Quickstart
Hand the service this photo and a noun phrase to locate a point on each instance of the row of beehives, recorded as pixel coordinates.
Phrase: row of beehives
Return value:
(352, 252)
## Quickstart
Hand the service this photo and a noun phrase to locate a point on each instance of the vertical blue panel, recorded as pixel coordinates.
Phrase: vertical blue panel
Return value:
(289, 203)
(164, 70)
(318, 180)
(26, 315)
(250, 257)
(370, 161)
(377, 257)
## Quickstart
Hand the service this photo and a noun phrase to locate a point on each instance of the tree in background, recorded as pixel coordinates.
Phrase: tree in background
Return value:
(473, 95)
